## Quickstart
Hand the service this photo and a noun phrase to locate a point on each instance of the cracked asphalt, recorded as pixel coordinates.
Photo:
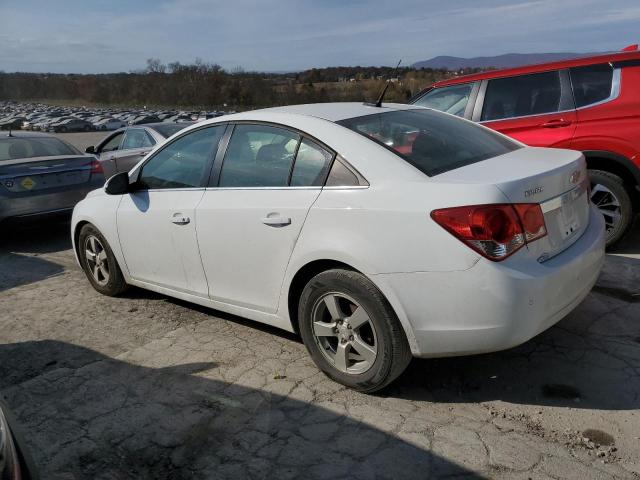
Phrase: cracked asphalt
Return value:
(144, 386)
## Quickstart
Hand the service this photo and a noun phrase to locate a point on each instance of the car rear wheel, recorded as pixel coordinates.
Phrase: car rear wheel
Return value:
(99, 263)
(351, 332)
(610, 196)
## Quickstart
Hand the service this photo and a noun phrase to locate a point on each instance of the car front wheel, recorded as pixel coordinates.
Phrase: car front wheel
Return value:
(99, 263)
(610, 196)
(351, 332)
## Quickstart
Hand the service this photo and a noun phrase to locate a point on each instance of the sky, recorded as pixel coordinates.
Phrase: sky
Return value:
(98, 36)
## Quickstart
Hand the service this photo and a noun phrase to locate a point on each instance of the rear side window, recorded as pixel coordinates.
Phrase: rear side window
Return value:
(431, 141)
(14, 148)
(522, 95)
(451, 99)
(259, 156)
(591, 84)
(312, 163)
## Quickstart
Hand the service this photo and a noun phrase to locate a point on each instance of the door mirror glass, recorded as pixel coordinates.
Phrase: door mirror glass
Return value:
(118, 184)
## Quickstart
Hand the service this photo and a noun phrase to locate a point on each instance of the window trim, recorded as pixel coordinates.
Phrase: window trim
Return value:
(616, 81)
(135, 174)
(214, 178)
(566, 97)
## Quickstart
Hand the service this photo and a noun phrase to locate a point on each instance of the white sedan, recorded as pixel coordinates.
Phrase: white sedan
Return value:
(377, 233)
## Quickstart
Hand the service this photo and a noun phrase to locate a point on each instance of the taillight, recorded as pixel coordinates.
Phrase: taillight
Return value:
(96, 167)
(495, 231)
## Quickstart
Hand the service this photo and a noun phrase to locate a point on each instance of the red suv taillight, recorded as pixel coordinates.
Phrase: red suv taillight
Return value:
(96, 167)
(495, 231)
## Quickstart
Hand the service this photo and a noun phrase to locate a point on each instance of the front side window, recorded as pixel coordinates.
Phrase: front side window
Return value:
(183, 163)
(522, 95)
(431, 141)
(259, 156)
(113, 143)
(591, 84)
(451, 99)
(136, 138)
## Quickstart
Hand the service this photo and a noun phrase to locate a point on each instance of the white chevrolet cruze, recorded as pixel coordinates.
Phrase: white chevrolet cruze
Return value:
(377, 233)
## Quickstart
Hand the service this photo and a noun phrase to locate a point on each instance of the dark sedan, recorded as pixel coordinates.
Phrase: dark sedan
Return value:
(41, 174)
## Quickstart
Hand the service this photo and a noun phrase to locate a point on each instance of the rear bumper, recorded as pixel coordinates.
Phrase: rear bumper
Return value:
(53, 200)
(494, 306)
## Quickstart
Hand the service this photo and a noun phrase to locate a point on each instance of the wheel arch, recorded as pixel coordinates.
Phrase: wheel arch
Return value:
(618, 165)
(314, 267)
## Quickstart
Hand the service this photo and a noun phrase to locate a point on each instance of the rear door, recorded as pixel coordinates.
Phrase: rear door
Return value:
(251, 216)
(536, 109)
(135, 145)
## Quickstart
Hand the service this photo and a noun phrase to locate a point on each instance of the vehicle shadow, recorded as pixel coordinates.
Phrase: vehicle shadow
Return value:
(21, 247)
(86, 415)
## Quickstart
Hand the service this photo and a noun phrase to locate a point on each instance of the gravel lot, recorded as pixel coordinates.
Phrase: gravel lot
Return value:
(143, 386)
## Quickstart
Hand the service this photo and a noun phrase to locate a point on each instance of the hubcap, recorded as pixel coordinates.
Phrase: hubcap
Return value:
(345, 333)
(608, 204)
(97, 260)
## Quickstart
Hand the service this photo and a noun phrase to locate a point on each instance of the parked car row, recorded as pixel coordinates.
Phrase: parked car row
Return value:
(45, 118)
(589, 104)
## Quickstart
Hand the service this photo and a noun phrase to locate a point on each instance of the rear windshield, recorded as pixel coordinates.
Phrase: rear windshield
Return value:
(431, 141)
(16, 147)
(170, 128)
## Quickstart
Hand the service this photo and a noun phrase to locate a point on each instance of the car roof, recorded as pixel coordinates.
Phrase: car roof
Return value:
(542, 67)
(333, 112)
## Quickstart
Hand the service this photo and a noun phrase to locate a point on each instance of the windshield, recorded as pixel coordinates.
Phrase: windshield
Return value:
(431, 141)
(170, 128)
(16, 147)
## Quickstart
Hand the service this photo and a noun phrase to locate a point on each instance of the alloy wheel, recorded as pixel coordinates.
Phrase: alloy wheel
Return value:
(606, 201)
(96, 257)
(345, 333)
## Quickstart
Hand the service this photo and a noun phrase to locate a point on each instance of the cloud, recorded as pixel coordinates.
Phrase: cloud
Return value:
(119, 35)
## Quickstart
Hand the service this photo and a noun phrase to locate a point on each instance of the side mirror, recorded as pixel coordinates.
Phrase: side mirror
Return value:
(118, 184)
(90, 149)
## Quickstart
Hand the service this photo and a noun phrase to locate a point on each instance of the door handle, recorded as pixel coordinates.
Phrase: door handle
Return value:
(180, 219)
(142, 154)
(276, 220)
(560, 122)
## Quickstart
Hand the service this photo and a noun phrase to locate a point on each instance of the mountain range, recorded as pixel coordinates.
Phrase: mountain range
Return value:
(507, 60)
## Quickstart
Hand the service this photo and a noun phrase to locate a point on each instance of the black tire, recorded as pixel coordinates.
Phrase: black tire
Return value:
(63, 129)
(393, 353)
(616, 231)
(115, 283)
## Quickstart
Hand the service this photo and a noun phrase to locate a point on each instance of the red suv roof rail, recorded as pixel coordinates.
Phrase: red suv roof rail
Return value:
(630, 48)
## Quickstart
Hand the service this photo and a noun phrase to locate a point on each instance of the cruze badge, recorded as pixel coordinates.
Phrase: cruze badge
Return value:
(533, 191)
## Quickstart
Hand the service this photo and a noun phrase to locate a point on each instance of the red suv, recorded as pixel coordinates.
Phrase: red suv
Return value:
(589, 104)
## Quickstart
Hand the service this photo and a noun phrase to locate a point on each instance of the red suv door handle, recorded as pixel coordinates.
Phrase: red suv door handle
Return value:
(559, 122)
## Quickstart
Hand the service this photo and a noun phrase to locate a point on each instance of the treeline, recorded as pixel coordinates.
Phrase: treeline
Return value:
(209, 86)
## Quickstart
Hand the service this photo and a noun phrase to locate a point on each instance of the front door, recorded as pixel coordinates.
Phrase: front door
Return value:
(136, 144)
(249, 222)
(157, 222)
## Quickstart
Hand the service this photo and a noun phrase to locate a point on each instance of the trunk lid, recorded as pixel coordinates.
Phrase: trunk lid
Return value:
(44, 173)
(555, 179)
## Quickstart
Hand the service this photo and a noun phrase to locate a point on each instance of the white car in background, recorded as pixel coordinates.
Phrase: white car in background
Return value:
(377, 232)
(109, 124)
